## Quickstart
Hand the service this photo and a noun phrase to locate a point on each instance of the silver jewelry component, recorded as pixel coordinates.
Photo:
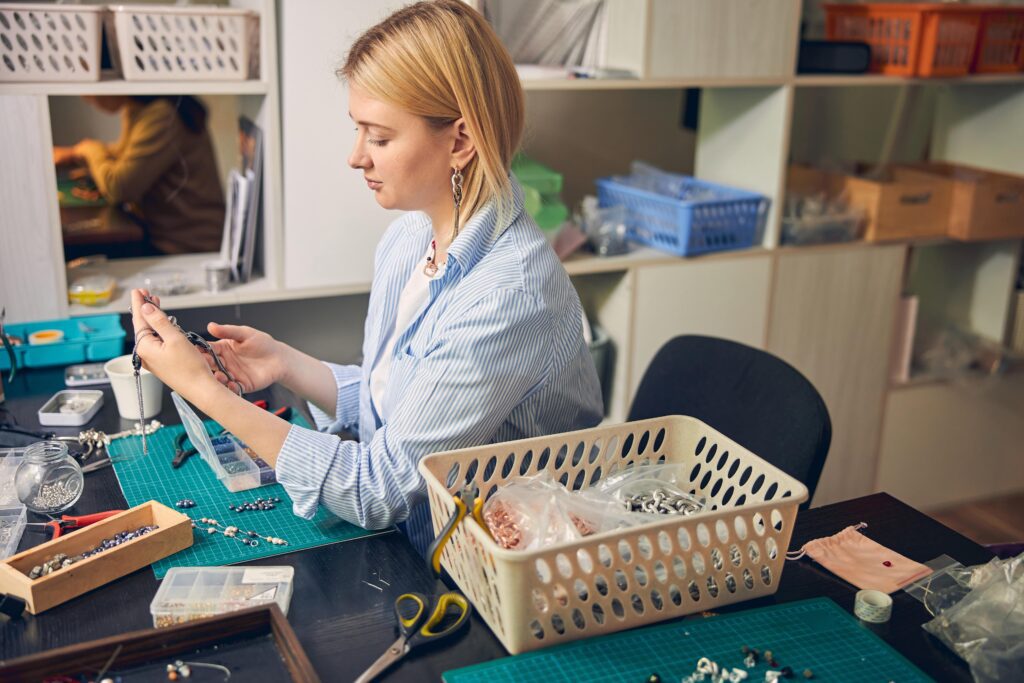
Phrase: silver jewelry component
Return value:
(457, 196)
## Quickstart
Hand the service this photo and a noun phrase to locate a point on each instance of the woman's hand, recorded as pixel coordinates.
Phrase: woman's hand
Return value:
(62, 156)
(169, 356)
(254, 358)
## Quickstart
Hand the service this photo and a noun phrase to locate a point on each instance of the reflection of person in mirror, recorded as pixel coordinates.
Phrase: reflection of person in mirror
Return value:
(474, 332)
(164, 164)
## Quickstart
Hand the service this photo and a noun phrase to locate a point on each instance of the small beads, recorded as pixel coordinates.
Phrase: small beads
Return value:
(185, 503)
(260, 504)
(62, 560)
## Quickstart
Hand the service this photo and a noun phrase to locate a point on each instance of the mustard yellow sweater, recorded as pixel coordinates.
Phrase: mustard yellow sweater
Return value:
(169, 173)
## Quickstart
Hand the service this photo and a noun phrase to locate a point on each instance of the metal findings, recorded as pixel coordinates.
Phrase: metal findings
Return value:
(663, 501)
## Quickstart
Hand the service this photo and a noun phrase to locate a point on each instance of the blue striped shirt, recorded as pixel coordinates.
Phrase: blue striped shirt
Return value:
(495, 354)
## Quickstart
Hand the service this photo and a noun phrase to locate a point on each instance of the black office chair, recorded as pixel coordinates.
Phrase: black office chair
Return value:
(751, 396)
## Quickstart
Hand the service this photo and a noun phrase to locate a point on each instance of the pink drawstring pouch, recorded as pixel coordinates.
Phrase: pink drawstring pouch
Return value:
(866, 564)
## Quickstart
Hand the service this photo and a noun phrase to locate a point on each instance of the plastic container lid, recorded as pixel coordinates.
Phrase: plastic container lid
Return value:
(12, 512)
(190, 593)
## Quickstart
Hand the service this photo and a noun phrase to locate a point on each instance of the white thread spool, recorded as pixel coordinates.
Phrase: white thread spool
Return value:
(872, 606)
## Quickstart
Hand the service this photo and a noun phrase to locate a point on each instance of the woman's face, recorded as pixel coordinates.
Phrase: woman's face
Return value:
(405, 161)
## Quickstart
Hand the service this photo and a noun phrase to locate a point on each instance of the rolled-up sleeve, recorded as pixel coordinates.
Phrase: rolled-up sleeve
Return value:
(457, 395)
(346, 407)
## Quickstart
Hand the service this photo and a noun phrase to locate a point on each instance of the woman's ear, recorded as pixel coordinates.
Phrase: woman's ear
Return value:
(463, 145)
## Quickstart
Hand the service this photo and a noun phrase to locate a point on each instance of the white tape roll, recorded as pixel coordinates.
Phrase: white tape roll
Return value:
(873, 606)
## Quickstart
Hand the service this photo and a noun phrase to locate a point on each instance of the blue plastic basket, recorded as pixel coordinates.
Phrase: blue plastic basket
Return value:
(722, 218)
(86, 339)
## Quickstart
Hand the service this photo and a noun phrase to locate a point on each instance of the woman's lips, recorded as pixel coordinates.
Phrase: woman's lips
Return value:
(373, 184)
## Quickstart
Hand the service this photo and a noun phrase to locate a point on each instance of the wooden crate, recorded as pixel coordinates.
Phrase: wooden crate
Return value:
(174, 534)
(985, 205)
(140, 648)
(902, 204)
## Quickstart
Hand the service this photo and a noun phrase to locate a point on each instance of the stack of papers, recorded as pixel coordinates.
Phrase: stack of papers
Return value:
(242, 218)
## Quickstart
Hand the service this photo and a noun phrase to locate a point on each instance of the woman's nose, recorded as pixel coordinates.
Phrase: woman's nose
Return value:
(358, 158)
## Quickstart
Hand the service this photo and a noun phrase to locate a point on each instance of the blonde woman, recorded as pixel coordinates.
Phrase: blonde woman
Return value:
(474, 331)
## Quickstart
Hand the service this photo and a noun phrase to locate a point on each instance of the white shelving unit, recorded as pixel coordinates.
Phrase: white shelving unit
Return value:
(828, 310)
(33, 282)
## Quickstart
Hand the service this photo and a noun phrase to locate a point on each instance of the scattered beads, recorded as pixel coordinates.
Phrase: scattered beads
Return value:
(185, 504)
(61, 560)
(248, 537)
(260, 504)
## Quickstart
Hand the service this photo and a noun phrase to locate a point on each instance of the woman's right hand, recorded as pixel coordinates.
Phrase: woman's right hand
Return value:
(63, 156)
(254, 358)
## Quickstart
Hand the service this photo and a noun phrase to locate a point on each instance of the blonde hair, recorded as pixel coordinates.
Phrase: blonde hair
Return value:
(441, 60)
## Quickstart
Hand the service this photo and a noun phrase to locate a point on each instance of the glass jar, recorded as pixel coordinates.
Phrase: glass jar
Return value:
(48, 480)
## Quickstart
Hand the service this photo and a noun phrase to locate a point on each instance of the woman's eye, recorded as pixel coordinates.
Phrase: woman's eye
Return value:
(378, 143)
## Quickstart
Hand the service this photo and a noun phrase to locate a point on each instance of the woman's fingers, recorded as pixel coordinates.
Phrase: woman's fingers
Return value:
(236, 332)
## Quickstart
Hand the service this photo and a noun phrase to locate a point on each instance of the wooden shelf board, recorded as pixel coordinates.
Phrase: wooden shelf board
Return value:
(122, 87)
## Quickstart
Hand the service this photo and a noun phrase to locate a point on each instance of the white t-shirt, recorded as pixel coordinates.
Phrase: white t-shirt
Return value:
(413, 296)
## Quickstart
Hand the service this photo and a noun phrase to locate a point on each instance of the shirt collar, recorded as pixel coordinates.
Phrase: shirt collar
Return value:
(481, 232)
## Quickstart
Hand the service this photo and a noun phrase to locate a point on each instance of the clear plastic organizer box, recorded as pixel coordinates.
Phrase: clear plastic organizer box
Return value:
(232, 465)
(615, 580)
(165, 43)
(190, 593)
(12, 512)
(47, 43)
(697, 218)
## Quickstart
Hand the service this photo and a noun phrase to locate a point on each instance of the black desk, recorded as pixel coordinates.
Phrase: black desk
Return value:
(344, 625)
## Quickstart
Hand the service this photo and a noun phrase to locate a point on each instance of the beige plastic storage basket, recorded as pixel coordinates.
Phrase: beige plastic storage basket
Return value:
(608, 582)
(49, 43)
(161, 43)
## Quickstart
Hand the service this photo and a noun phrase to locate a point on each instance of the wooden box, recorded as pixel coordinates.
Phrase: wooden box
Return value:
(901, 204)
(174, 534)
(986, 205)
(152, 646)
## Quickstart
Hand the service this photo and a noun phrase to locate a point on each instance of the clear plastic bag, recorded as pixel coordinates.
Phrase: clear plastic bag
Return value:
(651, 489)
(985, 626)
(535, 512)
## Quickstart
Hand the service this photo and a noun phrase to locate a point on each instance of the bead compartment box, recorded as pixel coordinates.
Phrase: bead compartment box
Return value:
(10, 458)
(731, 552)
(174, 534)
(232, 465)
(70, 408)
(12, 526)
(190, 593)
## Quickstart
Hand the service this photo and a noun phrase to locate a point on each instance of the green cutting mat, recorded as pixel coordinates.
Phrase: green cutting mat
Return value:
(151, 477)
(811, 634)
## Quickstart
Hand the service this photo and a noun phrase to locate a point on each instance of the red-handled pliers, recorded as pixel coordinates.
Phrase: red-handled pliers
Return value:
(68, 523)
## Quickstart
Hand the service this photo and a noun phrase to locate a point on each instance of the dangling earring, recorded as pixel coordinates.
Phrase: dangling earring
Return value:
(457, 196)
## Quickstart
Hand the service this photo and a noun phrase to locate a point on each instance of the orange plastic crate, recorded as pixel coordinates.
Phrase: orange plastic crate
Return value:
(913, 39)
(1000, 41)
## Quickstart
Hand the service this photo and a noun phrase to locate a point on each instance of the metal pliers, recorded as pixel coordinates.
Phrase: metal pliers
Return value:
(68, 523)
(467, 501)
(196, 340)
(181, 454)
(8, 347)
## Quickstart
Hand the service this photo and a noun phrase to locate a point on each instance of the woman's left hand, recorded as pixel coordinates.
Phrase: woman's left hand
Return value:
(171, 356)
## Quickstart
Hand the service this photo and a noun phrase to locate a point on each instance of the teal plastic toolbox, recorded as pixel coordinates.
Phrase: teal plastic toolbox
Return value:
(90, 338)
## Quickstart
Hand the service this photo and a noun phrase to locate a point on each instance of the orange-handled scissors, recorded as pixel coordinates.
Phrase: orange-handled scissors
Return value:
(421, 620)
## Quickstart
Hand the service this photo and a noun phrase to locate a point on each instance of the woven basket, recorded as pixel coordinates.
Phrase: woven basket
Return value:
(733, 551)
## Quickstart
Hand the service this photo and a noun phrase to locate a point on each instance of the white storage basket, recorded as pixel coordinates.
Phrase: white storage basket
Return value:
(162, 43)
(49, 43)
(608, 582)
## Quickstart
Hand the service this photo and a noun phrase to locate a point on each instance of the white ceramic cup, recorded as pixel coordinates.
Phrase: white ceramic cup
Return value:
(122, 381)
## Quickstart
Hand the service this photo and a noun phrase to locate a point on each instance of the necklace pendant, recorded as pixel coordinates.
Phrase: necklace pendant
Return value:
(430, 270)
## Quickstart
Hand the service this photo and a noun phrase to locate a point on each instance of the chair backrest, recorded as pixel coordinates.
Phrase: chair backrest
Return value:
(755, 398)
